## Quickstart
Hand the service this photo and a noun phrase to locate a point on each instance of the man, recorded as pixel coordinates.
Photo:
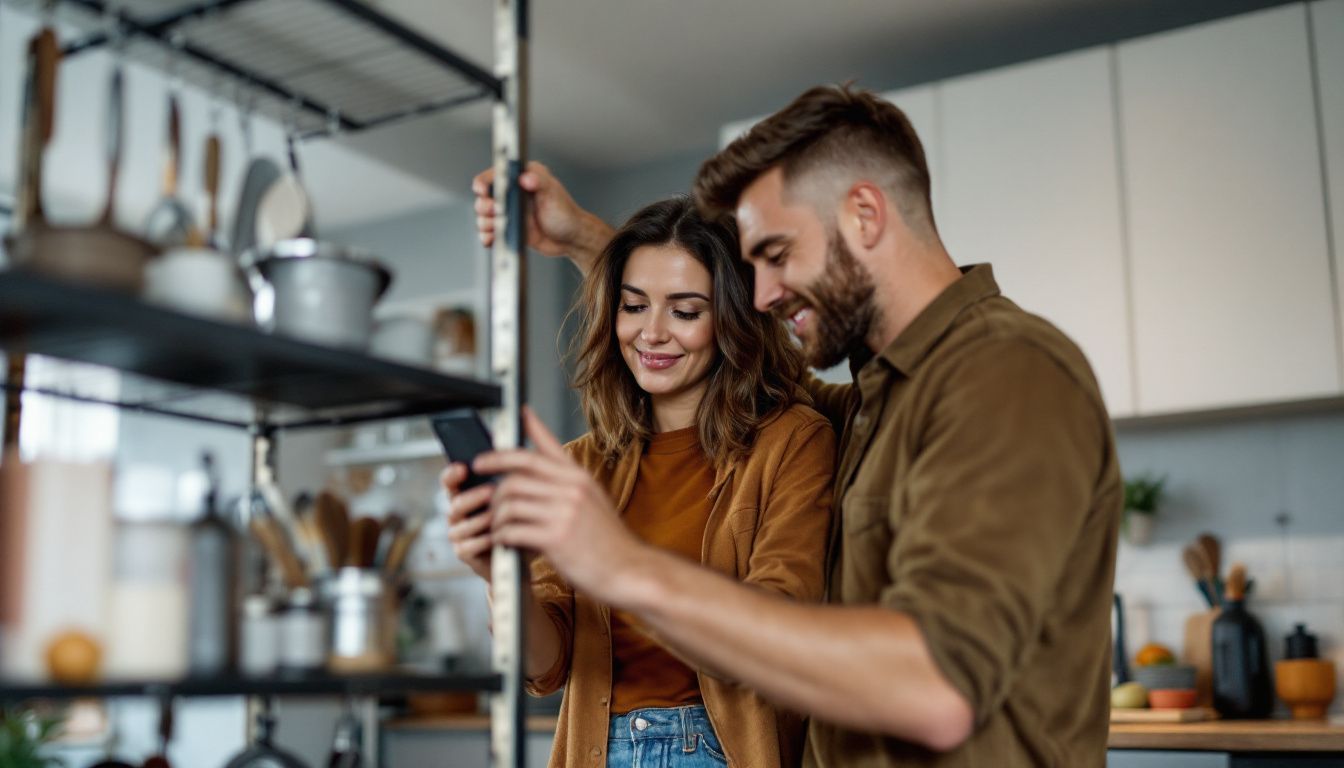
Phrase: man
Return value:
(968, 621)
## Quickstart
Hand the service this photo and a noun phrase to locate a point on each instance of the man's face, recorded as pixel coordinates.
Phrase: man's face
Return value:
(805, 274)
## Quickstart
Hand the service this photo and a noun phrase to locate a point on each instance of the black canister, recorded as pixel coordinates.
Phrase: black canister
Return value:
(1300, 644)
(1241, 678)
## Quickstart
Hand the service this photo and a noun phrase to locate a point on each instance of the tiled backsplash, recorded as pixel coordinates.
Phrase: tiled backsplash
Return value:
(1241, 481)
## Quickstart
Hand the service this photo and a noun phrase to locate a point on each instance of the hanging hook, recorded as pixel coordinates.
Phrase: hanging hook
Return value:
(245, 99)
(176, 42)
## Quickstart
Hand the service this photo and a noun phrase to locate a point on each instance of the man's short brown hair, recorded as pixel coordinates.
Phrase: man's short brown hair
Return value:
(829, 128)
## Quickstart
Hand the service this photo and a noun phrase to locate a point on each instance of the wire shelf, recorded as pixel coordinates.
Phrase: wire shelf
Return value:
(318, 66)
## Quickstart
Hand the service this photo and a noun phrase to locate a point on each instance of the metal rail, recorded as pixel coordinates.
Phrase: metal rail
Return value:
(508, 332)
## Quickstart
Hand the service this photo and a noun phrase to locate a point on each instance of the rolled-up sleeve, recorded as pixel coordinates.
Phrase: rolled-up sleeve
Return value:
(557, 599)
(1000, 490)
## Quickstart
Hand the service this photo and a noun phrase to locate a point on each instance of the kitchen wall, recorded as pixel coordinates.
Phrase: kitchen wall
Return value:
(1271, 488)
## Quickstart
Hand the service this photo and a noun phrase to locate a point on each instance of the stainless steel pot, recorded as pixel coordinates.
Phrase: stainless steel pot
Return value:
(316, 291)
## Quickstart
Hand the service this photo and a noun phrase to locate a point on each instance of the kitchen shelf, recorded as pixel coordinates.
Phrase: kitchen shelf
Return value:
(316, 685)
(212, 371)
(320, 66)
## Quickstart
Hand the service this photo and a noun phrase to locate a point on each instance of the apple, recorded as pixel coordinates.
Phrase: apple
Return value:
(1129, 696)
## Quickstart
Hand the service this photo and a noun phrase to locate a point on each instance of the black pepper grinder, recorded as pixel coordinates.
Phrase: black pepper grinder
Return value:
(1241, 680)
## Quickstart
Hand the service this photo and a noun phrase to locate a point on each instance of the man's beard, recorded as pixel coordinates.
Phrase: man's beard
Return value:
(843, 307)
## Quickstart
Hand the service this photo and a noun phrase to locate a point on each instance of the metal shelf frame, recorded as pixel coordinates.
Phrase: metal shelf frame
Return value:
(206, 687)
(507, 88)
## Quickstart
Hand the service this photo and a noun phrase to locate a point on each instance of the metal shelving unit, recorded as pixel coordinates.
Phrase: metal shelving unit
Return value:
(311, 685)
(320, 66)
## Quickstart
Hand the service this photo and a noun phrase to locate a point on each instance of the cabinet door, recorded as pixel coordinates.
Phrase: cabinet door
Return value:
(1031, 185)
(1327, 25)
(1229, 265)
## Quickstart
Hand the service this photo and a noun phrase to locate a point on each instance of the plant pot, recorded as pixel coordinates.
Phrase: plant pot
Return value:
(1138, 528)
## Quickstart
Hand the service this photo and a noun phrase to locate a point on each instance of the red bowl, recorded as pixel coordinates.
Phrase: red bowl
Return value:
(1172, 698)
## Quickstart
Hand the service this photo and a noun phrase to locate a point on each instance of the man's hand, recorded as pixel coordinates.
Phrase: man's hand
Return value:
(550, 505)
(556, 225)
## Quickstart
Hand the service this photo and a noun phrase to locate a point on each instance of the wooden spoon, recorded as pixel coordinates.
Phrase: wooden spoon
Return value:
(1213, 551)
(1197, 563)
(332, 520)
(363, 543)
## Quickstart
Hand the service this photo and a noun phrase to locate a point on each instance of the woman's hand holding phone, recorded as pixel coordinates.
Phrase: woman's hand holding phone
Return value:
(469, 520)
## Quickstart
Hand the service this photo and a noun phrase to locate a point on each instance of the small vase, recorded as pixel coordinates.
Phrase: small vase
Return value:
(1138, 528)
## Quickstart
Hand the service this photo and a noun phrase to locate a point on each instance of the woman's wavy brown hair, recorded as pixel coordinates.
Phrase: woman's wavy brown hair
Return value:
(757, 368)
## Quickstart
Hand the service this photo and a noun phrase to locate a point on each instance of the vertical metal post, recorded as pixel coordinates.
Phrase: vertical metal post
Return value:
(508, 334)
(255, 706)
(15, 364)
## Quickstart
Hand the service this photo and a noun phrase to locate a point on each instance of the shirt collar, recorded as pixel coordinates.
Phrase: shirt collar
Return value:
(913, 344)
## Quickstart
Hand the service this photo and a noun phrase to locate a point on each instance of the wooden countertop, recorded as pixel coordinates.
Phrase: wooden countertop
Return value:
(1231, 736)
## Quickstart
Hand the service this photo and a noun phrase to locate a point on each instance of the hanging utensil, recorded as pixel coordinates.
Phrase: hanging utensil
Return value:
(286, 211)
(212, 160)
(98, 253)
(160, 759)
(170, 223)
(263, 753)
(261, 173)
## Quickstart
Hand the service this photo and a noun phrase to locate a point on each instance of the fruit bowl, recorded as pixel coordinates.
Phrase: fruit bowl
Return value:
(1166, 677)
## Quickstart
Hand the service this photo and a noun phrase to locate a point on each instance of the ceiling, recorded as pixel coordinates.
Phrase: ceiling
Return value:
(618, 84)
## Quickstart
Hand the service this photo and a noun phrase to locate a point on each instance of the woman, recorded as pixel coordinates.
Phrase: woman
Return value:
(699, 440)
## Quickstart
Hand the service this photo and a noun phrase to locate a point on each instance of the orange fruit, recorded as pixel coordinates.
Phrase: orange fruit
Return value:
(74, 658)
(1153, 654)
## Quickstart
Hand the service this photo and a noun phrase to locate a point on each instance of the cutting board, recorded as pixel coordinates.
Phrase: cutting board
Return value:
(1192, 715)
(1198, 652)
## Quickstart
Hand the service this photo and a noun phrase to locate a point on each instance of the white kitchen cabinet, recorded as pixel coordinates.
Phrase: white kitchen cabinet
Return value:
(1327, 25)
(1031, 184)
(1230, 273)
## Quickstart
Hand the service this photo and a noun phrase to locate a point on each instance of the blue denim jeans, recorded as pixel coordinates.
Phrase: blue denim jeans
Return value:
(675, 737)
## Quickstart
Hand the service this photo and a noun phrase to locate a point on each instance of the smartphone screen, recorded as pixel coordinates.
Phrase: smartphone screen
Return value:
(464, 438)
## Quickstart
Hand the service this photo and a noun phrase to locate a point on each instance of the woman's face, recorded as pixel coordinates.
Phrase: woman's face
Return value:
(664, 321)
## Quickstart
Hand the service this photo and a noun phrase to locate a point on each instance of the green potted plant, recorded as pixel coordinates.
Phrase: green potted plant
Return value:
(1143, 493)
(23, 736)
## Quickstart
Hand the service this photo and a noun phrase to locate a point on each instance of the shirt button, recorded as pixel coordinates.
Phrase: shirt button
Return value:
(597, 751)
(641, 724)
(603, 700)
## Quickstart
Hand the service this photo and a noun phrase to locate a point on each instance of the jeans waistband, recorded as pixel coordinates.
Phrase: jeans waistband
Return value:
(661, 723)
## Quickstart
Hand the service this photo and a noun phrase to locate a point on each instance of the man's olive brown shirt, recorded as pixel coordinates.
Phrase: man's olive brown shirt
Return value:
(979, 493)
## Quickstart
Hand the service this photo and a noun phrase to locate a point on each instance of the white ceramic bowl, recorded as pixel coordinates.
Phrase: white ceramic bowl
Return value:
(200, 281)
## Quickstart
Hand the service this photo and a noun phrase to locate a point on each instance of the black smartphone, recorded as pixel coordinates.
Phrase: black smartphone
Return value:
(464, 438)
